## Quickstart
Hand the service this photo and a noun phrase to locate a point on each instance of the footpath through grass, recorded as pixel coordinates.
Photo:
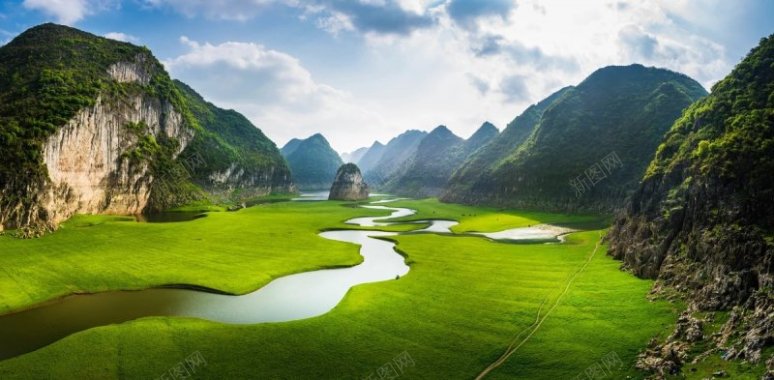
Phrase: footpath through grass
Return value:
(454, 313)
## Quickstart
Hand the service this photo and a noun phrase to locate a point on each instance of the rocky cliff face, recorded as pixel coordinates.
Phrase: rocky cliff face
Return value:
(92, 125)
(702, 221)
(88, 163)
(89, 169)
(349, 184)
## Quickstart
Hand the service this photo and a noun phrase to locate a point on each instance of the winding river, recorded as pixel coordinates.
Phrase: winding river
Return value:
(298, 296)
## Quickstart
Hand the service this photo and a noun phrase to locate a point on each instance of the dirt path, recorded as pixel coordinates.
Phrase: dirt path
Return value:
(535, 326)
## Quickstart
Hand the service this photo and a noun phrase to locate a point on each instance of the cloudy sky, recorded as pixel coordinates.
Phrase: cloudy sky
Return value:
(360, 70)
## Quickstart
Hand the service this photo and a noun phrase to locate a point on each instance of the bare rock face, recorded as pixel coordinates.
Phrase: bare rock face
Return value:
(131, 72)
(349, 184)
(89, 168)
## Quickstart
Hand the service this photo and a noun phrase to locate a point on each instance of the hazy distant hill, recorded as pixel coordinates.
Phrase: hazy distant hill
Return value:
(313, 163)
(439, 153)
(394, 154)
(586, 147)
(371, 157)
(290, 147)
(354, 156)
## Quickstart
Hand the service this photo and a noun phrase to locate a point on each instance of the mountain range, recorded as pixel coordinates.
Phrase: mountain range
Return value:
(583, 147)
(92, 125)
(438, 154)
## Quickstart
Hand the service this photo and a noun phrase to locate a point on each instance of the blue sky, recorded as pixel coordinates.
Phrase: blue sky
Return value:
(361, 70)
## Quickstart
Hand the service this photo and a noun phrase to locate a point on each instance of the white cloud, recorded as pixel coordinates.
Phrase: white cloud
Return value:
(239, 10)
(420, 65)
(272, 89)
(65, 12)
(118, 36)
(69, 11)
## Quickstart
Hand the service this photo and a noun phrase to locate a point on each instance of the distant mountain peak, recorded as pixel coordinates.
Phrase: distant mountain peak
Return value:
(483, 134)
(318, 137)
(312, 161)
(440, 128)
(486, 128)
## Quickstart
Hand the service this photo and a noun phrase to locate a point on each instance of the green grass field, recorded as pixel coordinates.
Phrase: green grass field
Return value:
(489, 219)
(252, 246)
(465, 300)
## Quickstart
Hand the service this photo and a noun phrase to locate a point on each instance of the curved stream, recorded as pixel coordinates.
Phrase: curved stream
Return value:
(297, 296)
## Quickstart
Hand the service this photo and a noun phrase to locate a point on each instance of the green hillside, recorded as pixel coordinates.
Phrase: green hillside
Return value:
(589, 148)
(313, 162)
(702, 221)
(437, 156)
(391, 158)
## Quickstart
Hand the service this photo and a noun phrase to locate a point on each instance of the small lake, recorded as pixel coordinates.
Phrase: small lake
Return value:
(313, 196)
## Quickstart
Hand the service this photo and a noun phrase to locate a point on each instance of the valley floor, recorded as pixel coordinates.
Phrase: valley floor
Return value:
(559, 310)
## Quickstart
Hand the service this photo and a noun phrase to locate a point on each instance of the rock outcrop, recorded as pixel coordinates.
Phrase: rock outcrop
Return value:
(349, 184)
(701, 221)
(89, 167)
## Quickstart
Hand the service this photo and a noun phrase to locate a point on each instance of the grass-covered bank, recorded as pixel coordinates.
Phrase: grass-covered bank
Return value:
(236, 252)
(491, 219)
(456, 311)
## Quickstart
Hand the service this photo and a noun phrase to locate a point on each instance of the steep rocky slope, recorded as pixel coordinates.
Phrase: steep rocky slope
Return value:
(348, 184)
(89, 125)
(435, 159)
(312, 161)
(589, 148)
(702, 221)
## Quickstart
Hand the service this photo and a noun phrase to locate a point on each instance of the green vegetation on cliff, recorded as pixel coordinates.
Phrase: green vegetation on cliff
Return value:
(702, 220)
(230, 144)
(47, 74)
(618, 112)
(51, 72)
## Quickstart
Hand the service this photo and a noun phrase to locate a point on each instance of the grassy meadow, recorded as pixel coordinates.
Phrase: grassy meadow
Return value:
(563, 309)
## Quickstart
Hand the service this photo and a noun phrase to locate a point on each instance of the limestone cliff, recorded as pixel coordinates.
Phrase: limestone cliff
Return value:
(349, 184)
(92, 125)
(87, 161)
(701, 221)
